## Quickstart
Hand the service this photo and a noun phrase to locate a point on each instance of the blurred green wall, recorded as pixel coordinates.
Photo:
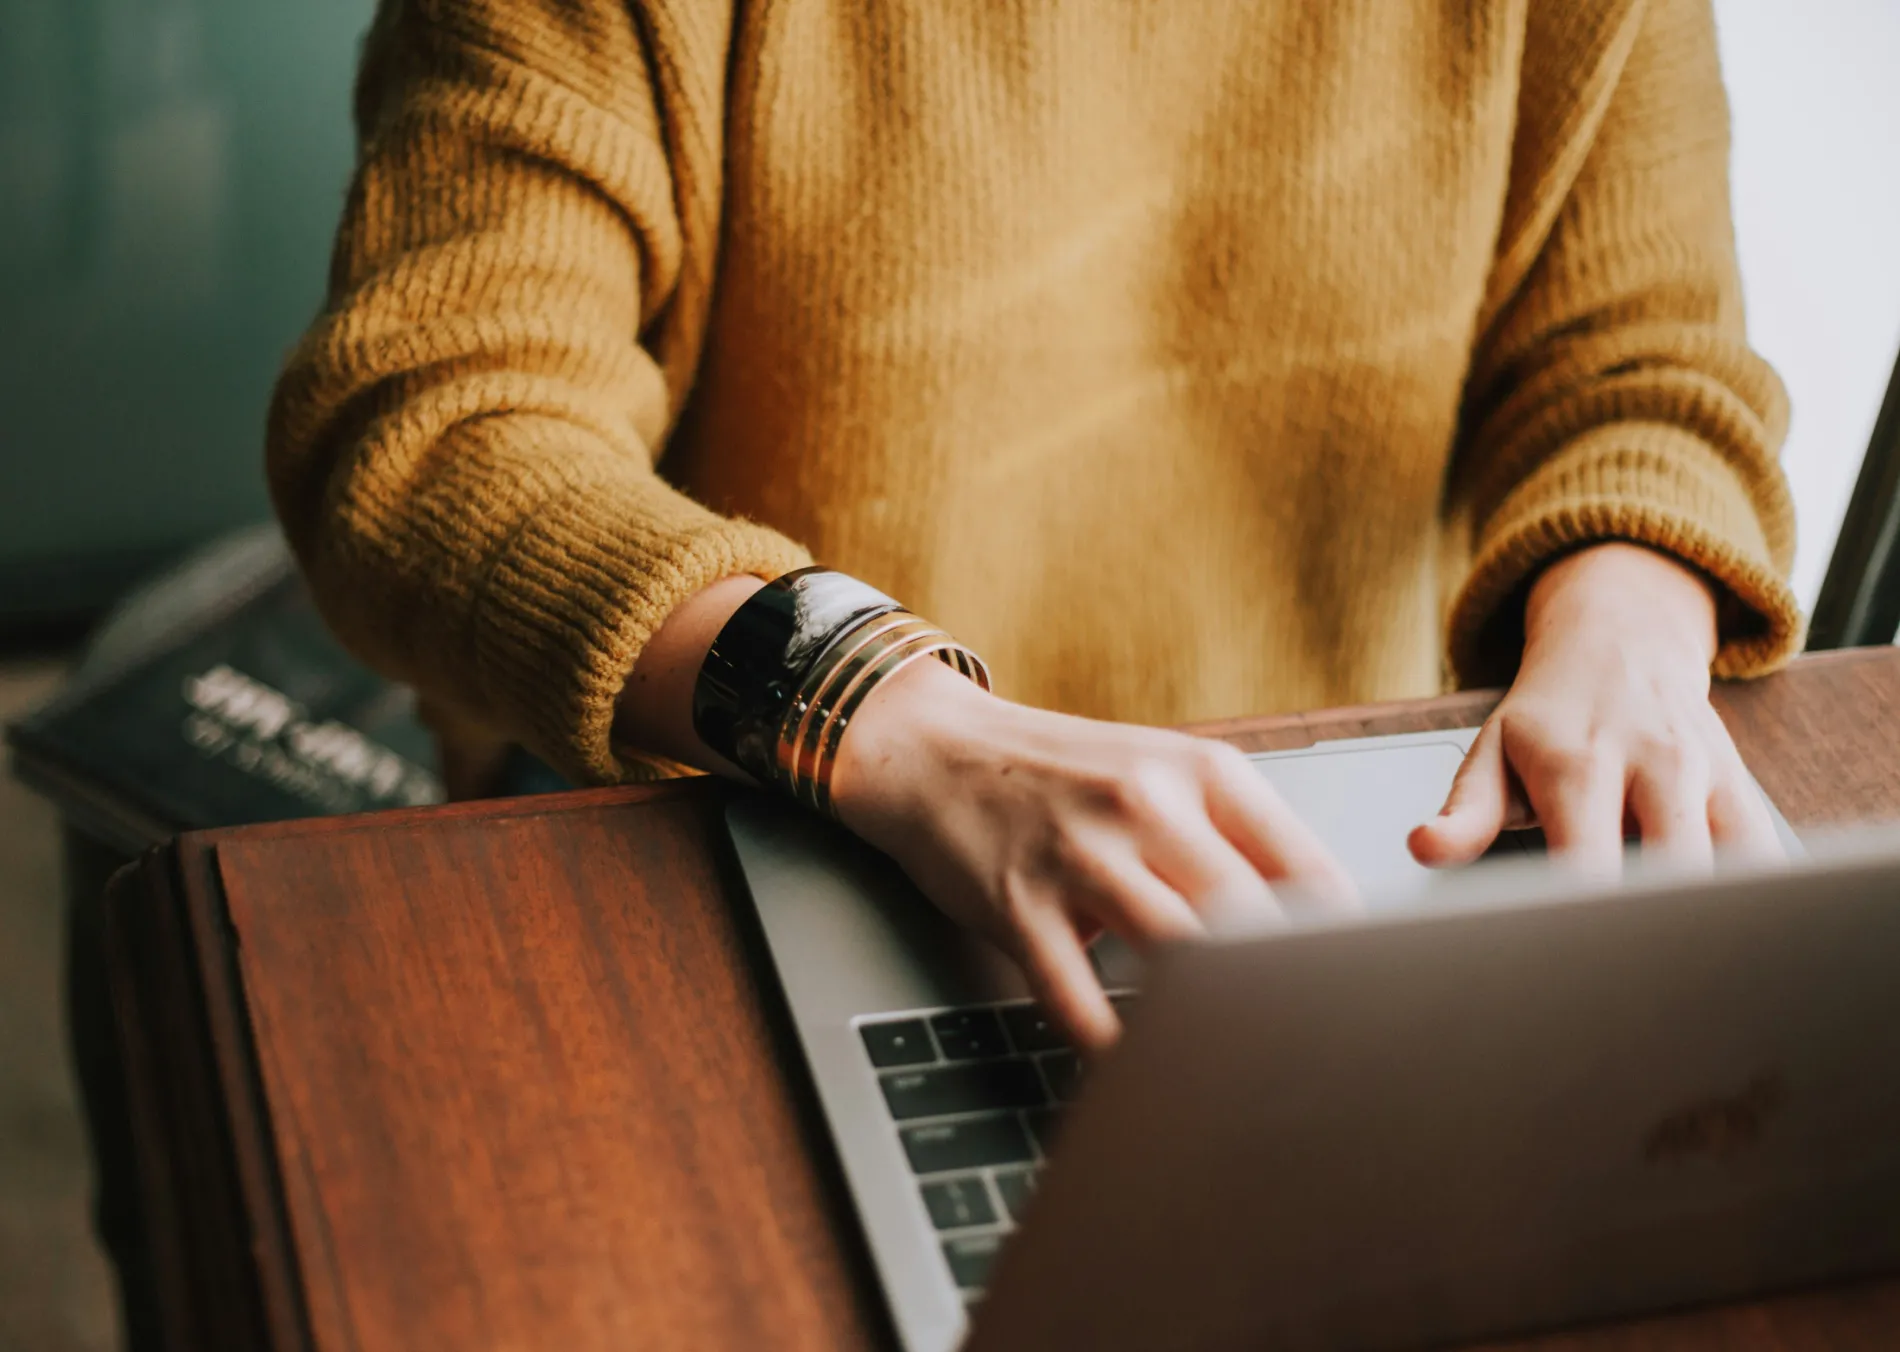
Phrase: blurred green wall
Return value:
(170, 174)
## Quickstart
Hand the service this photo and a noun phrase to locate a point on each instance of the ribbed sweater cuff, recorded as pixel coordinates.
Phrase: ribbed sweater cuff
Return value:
(579, 590)
(1652, 484)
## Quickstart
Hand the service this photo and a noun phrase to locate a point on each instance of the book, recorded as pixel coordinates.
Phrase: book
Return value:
(216, 697)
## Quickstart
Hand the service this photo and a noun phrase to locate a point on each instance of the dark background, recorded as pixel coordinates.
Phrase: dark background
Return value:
(170, 174)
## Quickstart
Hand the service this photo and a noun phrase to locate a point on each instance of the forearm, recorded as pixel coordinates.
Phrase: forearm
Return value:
(1614, 396)
(461, 450)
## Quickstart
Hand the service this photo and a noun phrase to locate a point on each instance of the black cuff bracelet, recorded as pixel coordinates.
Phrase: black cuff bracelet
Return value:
(763, 655)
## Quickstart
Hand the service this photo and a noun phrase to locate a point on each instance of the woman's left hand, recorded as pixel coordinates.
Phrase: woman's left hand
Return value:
(1608, 729)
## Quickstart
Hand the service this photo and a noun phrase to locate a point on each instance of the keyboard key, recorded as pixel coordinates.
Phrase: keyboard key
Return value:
(968, 1144)
(1063, 1070)
(1032, 1030)
(959, 1201)
(1042, 1125)
(905, 1042)
(1015, 1187)
(976, 1087)
(970, 1257)
(969, 1034)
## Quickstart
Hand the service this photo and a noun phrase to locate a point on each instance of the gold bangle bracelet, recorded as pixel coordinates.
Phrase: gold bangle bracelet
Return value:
(943, 647)
(853, 652)
(819, 745)
(816, 718)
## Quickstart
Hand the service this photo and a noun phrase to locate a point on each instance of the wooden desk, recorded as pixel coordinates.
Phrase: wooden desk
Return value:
(507, 1076)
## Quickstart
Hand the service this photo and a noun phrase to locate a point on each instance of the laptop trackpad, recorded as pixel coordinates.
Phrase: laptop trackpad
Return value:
(1363, 802)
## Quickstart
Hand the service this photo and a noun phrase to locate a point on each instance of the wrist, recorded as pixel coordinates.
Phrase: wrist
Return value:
(772, 691)
(902, 739)
(1622, 590)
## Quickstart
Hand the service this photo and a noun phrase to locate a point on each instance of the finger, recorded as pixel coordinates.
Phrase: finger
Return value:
(1190, 856)
(1249, 814)
(1669, 799)
(1739, 819)
(1107, 886)
(1129, 901)
(1578, 796)
(1740, 823)
(1063, 979)
(1475, 810)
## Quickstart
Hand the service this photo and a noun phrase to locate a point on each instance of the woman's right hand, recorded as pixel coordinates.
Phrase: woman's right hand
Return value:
(1040, 830)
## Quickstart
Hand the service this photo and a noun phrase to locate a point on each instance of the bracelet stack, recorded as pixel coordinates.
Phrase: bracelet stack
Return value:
(790, 670)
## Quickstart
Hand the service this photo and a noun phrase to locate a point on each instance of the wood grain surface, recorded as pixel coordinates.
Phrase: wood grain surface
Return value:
(519, 1079)
(526, 1092)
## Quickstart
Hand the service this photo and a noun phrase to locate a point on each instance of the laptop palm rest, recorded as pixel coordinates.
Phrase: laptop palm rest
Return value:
(850, 934)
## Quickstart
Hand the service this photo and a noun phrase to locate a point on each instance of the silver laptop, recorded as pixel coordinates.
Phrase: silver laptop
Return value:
(1406, 1128)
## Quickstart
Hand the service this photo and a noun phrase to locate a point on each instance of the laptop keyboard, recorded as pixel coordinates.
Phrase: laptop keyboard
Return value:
(975, 1096)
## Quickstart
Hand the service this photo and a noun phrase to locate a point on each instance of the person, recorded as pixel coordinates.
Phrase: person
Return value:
(1181, 361)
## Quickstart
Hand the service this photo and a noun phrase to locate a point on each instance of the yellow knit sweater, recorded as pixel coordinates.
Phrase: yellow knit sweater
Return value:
(1185, 359)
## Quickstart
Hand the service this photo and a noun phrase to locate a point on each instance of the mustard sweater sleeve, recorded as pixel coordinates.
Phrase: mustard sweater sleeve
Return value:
(462, 449)
(1612, 393)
